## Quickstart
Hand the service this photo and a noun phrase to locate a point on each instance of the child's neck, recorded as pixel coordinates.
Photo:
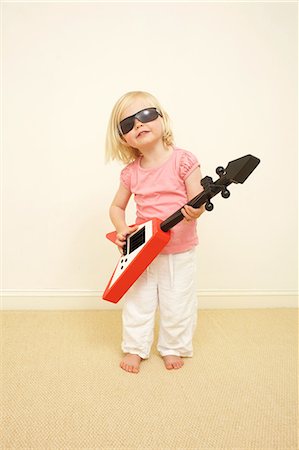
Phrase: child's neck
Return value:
(155, 155)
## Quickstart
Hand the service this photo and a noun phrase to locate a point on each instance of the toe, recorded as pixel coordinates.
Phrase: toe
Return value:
(173, 362)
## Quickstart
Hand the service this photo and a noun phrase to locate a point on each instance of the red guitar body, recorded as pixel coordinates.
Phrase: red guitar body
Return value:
(142, 247)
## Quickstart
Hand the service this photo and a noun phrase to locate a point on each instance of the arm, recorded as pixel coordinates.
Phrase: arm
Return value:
(193, 188)
(117, 215)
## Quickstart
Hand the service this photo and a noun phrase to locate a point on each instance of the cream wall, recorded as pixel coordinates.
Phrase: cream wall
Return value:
(226, 73)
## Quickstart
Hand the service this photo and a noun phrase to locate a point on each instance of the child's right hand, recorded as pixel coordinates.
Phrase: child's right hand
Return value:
(121, 236)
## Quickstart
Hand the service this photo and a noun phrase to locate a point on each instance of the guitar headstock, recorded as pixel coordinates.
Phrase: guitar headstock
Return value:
(238, 171)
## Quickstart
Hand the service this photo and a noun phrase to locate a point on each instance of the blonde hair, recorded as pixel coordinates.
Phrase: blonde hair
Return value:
(116, 146)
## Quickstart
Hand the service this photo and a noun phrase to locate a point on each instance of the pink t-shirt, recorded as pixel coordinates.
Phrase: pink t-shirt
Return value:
(160, 191)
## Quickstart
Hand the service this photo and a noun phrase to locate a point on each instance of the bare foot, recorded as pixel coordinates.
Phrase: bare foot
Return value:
(131, 363)
(173, 362)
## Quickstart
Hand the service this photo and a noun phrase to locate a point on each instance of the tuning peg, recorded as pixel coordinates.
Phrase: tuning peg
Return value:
(220, 171)
(206, 182)
(225, 193)
(209, 206)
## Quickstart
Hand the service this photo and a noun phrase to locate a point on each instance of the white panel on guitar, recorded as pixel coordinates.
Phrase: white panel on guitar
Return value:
(135, 243)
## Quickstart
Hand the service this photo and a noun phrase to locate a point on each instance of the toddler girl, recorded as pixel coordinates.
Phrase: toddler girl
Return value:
(162, 178)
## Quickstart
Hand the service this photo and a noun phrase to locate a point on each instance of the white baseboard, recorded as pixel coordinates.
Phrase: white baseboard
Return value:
(92, 300)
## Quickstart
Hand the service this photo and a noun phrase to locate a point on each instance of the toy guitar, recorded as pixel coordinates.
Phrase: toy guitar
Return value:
(146, 243)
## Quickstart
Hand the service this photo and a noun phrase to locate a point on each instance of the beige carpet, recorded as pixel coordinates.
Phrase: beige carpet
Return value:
(63, 388)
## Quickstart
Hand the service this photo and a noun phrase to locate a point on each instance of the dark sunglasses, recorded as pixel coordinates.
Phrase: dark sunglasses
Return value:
(144, 116)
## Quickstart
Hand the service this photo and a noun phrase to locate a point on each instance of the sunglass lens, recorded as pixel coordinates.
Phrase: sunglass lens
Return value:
(147, 115)
(127, 125)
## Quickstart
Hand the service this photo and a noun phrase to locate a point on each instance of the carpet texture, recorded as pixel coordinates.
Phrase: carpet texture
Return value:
(62, 387)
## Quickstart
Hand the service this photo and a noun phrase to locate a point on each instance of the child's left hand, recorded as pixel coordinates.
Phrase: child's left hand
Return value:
(191, 213)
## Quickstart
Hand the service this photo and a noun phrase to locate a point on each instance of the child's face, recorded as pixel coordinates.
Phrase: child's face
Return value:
(142, 135)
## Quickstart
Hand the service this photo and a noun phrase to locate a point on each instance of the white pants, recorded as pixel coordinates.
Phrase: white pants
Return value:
(169, 282)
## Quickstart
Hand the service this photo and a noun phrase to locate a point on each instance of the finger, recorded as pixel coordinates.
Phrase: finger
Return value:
(191, 211)
(120, 242)
(183, 211)
(121, 236)
(198, 211)
(194, 213)
(132, 229)
(186, 215)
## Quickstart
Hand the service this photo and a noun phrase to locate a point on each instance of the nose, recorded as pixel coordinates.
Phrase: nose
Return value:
(137, 123)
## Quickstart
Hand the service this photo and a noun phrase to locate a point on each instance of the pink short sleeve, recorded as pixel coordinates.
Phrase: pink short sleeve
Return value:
(188, 164)
(125, 177)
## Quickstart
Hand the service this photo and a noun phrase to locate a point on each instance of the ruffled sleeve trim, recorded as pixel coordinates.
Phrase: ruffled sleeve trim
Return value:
(188, 164)
(125, 177)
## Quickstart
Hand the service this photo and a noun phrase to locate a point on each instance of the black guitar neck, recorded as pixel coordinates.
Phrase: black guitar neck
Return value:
(176, 217)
